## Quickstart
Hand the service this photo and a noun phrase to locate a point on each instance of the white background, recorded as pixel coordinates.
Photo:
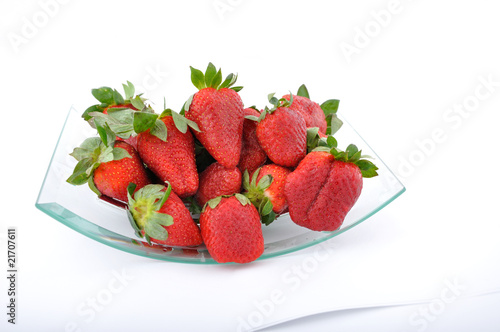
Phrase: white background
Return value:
(402, 70)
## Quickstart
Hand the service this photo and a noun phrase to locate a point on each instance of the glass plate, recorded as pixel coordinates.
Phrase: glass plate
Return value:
(80, 209)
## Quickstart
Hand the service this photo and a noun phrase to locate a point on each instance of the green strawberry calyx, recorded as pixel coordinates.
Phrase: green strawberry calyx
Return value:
(275, 102)
(132, 115)
(143, 211)
(90, 154)
(125, 122)
(351, 155)
(180, 121)
(214, 202)
(109, 97)
(212, 78)
(329, 108)
(256, 193)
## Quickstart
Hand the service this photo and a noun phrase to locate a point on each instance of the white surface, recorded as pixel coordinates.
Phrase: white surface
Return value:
(403, 88)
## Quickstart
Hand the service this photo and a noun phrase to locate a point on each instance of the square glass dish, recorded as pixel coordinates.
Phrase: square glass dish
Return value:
(80, 209)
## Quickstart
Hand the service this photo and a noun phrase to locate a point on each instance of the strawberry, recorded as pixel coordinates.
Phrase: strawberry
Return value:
(173, 159)
(158, 214)
(108, 170)
(217, 109)
(231, 229)
(323, 116)
(252, 155)
(266, 190)
(116, 114)
(163, 141)
(282, 133)
(217, 180)
(325, 186)
(310, 111)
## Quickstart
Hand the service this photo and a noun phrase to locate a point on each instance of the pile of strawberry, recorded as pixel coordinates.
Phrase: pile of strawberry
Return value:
(235, 167)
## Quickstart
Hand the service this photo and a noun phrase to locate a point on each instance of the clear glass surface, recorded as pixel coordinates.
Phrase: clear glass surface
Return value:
(80, 209)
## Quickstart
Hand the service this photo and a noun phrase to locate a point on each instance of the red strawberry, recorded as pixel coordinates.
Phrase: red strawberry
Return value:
(217, 109)
(163, 141)
(108, 170)
(267, 186)
(325, 186)
(324, 116)
(172, 160)
(231, 229)
(310, 111)
(160, 215)
(252, 155)
(216, 181)
(282, 133)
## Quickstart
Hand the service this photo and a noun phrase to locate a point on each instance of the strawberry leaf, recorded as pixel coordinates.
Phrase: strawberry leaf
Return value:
(92, 185)
(265, 207)
(351, 150)
(214, 202)
(254, 177)
(210, 75)
(368, 169)
(217, 80)
(156, 231)
(303, 91)
(186, 105)
(193, 125)
(197, 78)
(229, 81)
(104, 95)
(269, 218)
(80, 175)
(355, 157)
(252, 117)
(93, 108)
(321, 149)
(236, 88)
(330, 106)
(242, 199)
(106, 155)
(130, 192)
(143, 121)
(180, 122)
(86, 149)
(333, 124)
(265, 182)
(159, 203)
(263, 114)
(331, 141)
(119, 153)
(159, 130)
(138, 103)
(105, 133)
(246, 180)
(129, 90)
(117, 98)
(162, 219)
(312, 138)
(133, 223)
